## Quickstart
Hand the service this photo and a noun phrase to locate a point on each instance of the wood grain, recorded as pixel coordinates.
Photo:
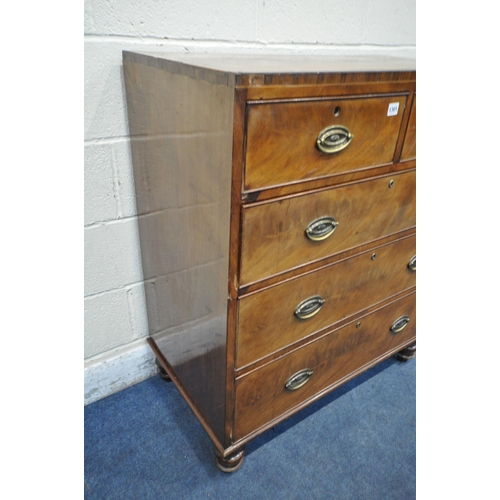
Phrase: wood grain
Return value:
(335, 180)
(250, 70)
(327, 90)
(266, 321)
(311, 338)
(181, 139)
(227, 176)
(410, 145)
(281, 138)
(327, 261)
(273, 234)
(236, 188)
(173, 376)
(261, 395)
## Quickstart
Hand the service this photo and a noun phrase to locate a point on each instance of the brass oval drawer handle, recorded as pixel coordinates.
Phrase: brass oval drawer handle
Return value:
(298, 380)
(400, 324)
(320, 229)
(333, 139)
(413, 263)
(309, 307)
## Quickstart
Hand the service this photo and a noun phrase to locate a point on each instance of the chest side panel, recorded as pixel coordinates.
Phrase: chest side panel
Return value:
(181, 138)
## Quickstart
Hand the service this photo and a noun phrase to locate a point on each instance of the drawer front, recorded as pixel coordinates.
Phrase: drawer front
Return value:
(410, 145)
(274, 237)
(267, 320)
(282, 138)
(261, 395)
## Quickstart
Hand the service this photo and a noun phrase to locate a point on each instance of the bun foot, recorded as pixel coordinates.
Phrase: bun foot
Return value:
(231, 462)
(407, 353)
(161, 371)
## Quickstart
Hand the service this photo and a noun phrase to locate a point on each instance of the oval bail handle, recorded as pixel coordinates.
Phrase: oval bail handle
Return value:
(334, 139)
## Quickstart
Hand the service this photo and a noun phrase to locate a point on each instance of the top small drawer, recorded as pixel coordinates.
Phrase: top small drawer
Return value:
(282, 138)
(410, 145)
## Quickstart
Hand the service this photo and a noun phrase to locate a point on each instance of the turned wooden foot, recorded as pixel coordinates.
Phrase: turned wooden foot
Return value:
(161, 371)
(231, 462)
(407, 353)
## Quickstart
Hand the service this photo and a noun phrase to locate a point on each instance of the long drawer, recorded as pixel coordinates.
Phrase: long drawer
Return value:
(261, 396)
(281, 315)
(282, 138)
(280, 235)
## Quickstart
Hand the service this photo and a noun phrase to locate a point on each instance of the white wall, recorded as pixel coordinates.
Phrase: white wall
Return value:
(116, 354)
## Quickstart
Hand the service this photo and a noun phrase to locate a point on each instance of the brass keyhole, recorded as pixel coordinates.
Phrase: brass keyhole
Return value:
(374, 256)
(391, 183)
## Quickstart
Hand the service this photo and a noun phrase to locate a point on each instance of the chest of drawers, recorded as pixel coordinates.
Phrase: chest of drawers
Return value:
(276, 202)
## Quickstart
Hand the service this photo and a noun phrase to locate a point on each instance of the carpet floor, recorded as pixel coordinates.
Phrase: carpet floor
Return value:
(357, 443)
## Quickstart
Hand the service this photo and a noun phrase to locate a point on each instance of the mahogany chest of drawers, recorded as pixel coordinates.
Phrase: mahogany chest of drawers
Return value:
(276, 202)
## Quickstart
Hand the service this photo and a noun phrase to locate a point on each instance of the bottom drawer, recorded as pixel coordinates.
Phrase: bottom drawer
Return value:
(261, 395)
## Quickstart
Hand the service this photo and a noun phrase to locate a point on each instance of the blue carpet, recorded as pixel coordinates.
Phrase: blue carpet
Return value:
(356, 443)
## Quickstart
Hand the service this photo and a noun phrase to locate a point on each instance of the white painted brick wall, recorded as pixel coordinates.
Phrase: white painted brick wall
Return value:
(112, 256)
(99, 190)
(320, 21)
(175, 19)
(120, 313)
(115, 312)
